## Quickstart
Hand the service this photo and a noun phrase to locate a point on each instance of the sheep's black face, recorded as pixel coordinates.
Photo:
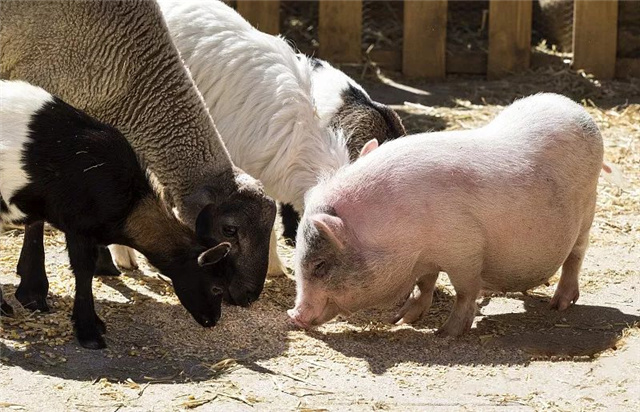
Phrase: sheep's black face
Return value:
(244, 220)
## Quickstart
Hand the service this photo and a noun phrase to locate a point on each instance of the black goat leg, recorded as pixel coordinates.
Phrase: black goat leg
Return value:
(34, 286)
(290, 220)
(5, 308)
(104, 263)
(83, 253)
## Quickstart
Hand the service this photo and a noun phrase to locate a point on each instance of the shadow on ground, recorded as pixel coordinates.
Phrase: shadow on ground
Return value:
(155, 341)
(147, 339)
(579, 333)
(392, 88)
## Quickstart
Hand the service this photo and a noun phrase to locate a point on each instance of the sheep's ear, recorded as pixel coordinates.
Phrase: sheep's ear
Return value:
(330, 228)
(370, 146)
(214, 255)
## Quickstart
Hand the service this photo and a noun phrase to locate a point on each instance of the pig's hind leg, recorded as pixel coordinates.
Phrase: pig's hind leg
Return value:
(419, 302)
(567, 291)
(467, 283)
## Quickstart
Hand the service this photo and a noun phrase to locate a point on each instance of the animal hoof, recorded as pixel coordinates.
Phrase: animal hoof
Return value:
(110, 273)
(92, 343)
(405, 318)
(106, 268)
(445, 332)
(563, 299)
(90, 338)
(32, 301)
(102, 328)
(455, 327)
(412, 311)
(417, 304)
(6, 309)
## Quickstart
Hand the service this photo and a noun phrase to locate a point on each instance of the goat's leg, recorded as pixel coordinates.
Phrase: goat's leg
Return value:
(5, 308)
(34, 286)
(276, 267)
(104, 263)
(83, 253)
(290, 221)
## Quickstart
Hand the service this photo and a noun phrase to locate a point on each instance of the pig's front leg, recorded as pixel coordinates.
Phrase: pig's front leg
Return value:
(467, 283)
(419, 302)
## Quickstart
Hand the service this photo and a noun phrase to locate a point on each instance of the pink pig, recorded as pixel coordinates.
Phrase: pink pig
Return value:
(499, 208)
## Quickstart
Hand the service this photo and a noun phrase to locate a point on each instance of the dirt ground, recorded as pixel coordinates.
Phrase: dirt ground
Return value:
(518, 356)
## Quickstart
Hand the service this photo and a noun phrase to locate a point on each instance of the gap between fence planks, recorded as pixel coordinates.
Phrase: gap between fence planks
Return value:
(425, 38)
(509, 37)
(262, 14)
(340, 30)
(595, 32)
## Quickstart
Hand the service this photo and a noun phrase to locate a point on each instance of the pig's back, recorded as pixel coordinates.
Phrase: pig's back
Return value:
(553, 197)
(518, 190)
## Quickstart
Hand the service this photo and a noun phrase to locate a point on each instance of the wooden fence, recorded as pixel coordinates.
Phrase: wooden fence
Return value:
(424, 54)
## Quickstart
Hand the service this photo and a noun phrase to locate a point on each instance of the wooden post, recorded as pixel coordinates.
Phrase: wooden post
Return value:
(595, 32)
(424, 40)
(262, 14)
(340, 30)
(509, 37)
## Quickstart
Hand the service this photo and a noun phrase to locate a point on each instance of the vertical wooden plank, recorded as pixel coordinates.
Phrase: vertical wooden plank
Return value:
(509, 37)
(262, 14)
(595, 32)
(425, 38)
(340, 30)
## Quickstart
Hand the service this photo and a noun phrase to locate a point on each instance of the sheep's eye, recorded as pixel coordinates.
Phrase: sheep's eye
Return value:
(229, 231)
(320, 268)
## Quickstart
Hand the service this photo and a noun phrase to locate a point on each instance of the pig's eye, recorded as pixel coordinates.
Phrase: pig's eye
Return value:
(320, 268)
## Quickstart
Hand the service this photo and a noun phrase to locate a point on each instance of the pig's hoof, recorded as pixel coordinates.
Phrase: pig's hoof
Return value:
(416, 305)
(563, 299)
(409, 314)
(455, 327)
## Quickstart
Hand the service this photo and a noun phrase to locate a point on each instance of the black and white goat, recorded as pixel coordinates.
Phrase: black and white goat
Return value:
(58, 164)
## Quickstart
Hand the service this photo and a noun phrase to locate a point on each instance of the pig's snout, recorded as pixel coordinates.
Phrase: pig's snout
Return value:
(294, 316)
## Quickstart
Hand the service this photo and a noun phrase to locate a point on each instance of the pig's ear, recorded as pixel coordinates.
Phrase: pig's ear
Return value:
(370, 146)
(330, 227)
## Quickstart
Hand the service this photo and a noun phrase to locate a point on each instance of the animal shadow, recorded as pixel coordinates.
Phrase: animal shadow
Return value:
(579, 333)
(149, 338)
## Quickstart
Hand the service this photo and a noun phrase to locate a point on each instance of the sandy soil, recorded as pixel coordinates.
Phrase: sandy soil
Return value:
(518, 356)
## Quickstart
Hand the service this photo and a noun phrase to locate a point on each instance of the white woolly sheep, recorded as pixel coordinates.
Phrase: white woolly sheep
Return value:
(264, 100)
